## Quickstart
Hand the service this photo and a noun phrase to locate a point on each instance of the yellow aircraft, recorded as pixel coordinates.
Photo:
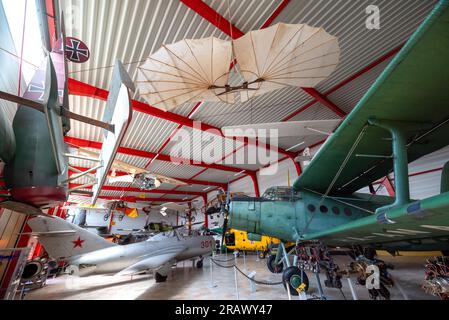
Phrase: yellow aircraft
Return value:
(238, 240)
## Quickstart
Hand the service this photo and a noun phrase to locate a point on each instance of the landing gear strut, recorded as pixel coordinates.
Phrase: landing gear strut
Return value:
(311, 255)
(160, 278)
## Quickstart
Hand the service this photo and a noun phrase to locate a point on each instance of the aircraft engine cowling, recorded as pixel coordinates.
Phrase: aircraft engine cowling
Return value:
(32, 270)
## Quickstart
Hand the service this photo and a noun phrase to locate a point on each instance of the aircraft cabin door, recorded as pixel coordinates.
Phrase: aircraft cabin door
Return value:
(253, 216)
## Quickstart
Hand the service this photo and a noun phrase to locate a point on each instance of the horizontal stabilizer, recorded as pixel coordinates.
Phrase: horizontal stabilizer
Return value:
(21, 208)
(284, 129)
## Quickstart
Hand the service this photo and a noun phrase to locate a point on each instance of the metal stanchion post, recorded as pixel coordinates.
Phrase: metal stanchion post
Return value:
(320, 288)
(236, 284)
(288, 290)
(404, 295)
(252, 284)
(257, 258)
(212, 285)
(351, 287)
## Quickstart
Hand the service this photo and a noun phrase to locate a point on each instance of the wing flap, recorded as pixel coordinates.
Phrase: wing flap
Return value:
(413, 88)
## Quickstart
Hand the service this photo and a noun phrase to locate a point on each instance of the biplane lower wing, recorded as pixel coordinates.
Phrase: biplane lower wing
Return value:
(411, 90)
(418, 223)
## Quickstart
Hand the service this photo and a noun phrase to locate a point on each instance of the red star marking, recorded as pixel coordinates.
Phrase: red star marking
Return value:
(78, 243)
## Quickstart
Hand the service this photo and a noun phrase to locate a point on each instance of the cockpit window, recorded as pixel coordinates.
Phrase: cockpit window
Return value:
(281, 194)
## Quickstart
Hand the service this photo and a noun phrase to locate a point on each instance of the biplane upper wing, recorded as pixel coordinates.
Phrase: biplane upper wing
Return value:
(413, 89)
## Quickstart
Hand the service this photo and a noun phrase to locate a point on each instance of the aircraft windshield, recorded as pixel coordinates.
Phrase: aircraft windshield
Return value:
(281, 194)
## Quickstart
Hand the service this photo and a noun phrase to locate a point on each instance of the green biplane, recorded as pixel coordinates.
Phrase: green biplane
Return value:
(402, 117)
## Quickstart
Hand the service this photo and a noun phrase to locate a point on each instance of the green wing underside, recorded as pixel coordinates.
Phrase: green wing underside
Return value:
(428, 218)
(413, 88)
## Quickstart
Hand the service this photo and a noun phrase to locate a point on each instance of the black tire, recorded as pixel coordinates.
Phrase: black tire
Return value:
(292, 275)
(160, 278)
(274, 268)
(262, 254)
(199, 264)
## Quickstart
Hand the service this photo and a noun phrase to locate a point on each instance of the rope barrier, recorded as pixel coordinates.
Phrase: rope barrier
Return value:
(245, 275)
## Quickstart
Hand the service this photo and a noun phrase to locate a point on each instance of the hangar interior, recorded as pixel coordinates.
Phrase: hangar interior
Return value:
(194, 167)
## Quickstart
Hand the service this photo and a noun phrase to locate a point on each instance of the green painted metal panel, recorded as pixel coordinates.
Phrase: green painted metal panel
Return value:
(413, 88)
(428, 218)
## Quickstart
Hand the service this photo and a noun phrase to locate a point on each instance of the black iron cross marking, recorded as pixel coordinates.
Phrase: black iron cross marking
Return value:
(75, 51)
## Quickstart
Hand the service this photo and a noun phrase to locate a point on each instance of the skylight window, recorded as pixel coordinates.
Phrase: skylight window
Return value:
(23, 23)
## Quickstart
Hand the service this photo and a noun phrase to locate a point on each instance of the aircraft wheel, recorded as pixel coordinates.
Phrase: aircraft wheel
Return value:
(199, 264)
(159, 277)
(272, 267)
(292, 276)
(262, 254)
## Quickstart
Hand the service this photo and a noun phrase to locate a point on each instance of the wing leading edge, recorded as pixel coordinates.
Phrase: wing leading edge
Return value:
(412, 89)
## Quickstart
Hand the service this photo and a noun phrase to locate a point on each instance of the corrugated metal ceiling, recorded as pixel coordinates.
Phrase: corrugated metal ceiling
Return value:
(130, 30)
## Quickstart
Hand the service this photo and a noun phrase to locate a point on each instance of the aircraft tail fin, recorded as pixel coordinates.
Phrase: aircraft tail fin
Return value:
(62, 239)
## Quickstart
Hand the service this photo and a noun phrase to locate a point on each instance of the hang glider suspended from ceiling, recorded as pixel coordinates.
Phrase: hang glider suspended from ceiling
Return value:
(193, 70)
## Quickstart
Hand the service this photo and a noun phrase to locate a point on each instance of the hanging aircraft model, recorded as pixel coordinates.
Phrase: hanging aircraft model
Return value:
(87, 253)
(402, 117)
(141, 177)
(33, 148)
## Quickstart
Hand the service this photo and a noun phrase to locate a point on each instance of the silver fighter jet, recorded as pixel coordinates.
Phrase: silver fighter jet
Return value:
(87, 253)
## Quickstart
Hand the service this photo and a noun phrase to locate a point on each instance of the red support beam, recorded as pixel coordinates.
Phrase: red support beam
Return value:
(255, 184)
(324, 101)
(147, 154)
(135, 199)
(359, 73)
(188, 181)
(274, 15)
(389, 186)
(155, 191)
(79, 88)
(213, 17)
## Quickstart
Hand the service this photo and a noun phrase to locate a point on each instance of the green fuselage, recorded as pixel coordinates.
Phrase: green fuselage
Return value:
(31, 175)
(290, 219)
(361, 219)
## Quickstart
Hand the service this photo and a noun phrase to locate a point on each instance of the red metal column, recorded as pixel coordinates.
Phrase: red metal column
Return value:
(389, 186)
(206, 218)
(213, 17)
(146, 154)
(255, 183)
(324, 101)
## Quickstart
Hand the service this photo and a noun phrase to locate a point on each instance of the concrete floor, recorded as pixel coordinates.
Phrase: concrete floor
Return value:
(186, 282)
